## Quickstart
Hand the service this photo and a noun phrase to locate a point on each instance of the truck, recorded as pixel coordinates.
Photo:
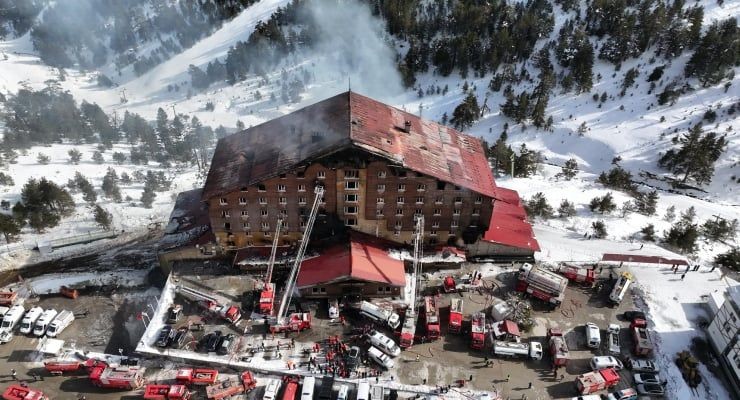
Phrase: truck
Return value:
(595, 381)
(29, 320)
(196, 376)
(431, 317)
(8, 298)
(500, 311)
(449, 285)
(18, 392)
(295, 322)
(578, 274)
(123, 377)
(44, 321)
(408, 330)
(557, 347)
(230, 313)
(612, 336)
(620, 287)
(532, 350)
(231, 387)
(456, 316)
(643, 342)
(379, 314)
(60, 323)
(478, 330)
(541, 283)
(167, 392)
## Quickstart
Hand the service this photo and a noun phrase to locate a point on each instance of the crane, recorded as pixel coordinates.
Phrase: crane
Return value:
(297, 321)
(267, 297)
(408, 331)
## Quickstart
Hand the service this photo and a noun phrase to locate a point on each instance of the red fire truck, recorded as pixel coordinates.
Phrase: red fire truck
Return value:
(578, 274)
(196, 376)
(8, 298)
(18, 392)
(231, 387)
(456, 316)
(128, 378)
(291, 388)
(541, 283)
(431, 317)
(408, 330)
(295, 322)
(597, 380)
(449, 285)
(167, 392)
(478, 331)
(557, 346)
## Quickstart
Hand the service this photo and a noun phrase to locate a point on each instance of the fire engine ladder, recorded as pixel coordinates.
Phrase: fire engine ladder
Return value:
(273, 252)
(290, 284)
(418, 250)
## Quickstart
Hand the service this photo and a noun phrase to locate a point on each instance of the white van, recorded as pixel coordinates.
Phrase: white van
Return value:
(384, 343)
(593, 335)
(343, 393)
(380, 357)
(29, 320)
(43, 322)
(271, 389)
(363, 389)
(307, 388)
(61, 322)
(621, 287)
(3, 310)
(12, 317)
(604, 362)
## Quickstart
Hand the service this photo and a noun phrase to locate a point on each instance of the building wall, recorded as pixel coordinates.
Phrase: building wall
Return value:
(483, 248)
(724, 332)
(364, 289)
(375, 198)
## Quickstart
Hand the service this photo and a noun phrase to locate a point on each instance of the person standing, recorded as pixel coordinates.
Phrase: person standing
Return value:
(683, 276)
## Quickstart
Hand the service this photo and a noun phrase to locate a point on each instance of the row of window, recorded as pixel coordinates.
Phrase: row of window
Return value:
(351, 210)
(352, 198)
(264, 227)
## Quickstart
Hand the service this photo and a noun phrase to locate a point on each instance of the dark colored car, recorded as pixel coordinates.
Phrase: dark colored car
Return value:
(651, 389)
(174, 314)
(227, 344)
(214, 341)
(353, 358)
(633, 315)
(181, 337)
(165, 336)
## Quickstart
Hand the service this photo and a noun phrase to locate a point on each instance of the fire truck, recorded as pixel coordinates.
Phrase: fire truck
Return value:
(231, 387)
(557, 347)
(267, 296)
(449, 285)
(18, 392)
(230, 313)
(196, 376)
(456, 316)
(295, 322)
(578, 274)
(408, 330)
(128, 377)
(597, 380)
(167, 392)
(8, 298)
(431, 317)
(478, 331)
(542, 284)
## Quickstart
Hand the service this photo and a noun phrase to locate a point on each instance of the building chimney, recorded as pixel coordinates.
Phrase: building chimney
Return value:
(407, 126)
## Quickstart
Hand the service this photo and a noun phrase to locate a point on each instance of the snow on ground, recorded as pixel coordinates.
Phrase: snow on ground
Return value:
(51, 283)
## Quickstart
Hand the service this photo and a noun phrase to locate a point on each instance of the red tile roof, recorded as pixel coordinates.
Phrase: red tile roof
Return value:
(344, 121)
(509, 224)
(361, 260)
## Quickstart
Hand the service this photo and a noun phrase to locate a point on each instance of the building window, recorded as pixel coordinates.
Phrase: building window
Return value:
(264, 213)
(223, 201)
(351, 198)
(321, 175)
(303, 223)
(398, 225)
(250, 243)
(227, 226)
(261, 188)
(281, 188)
(397, 232)
(283, 200)
(381, 188)
(456, 211)
(476, 211)
(286, 228)
(439, 200)
(300, 175)
(454, 224)
(479, 200)
(728, 326)
(437, 211)
(322, 200)
(245, 214)
(265, 226)
(283, 214)
(351, 174)
(399, 211)
(433, 232)
(435, 224)
(302, 200)
(441, 185)
(244, 189)
(419, 200)
(350, 210)
(263, 200)
(458, 188)
(242, 201)
(245, 226)
(248, 233)
(401, 174)
(283, 176)
(400, 200)
(421, 187)
(458, 200)
(379, 212)
(225, 214)
(418, 212)
(401, 187)
(350, 221)
(351, 185)
(381, 174)
(380, 200)
(301, 188)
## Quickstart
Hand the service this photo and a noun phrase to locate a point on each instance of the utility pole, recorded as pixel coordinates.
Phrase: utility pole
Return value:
(513, 156)
(174, 114)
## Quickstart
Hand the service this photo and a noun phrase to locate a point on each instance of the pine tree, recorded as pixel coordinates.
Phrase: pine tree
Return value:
(147, 198)
(604, 204)
(119, 158)
(717, 52)
(566, 209)
(682, 235)
(695, 155)
(599, 229)
(466, 113)
(731, 259)
(720, 229)
(97, 157)
(537, 206)
(110, 186)
(74, 156)
(670, 214)
(569, 170)
(6, 180)
(647, 203)
(648, 233)
(102, 217)
(9, 227)
(43, 159)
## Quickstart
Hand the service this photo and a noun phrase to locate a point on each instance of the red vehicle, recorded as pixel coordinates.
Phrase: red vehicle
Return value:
(478, 331)
(69, 292)
(167, 392)
(408, 330)
(231, 387)
(128, 378)
(597, 380)
(267, 299)
(196, 376)
(578, 274)
(541, 283)
(18, 392)
(8, 298)
(557, 346)
(638, 323)
(456, 316)
(58, 367)
(295, 322)
(449, 284)
(290, 388)
(431, 317)
(211, 303)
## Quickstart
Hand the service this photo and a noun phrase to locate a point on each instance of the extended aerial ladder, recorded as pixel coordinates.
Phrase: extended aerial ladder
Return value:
(297, 321)
(408, 330)
(267, 297)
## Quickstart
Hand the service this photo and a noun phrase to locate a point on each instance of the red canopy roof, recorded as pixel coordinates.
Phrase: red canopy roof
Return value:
(509, 224)
(359, 261)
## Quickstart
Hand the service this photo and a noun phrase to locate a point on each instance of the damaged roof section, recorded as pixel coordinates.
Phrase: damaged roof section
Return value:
(188, 224)
(344, 121)
(508, 225)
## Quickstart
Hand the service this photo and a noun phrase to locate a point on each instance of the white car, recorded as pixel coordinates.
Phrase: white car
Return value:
(647, 377)
(380, 357)
(604, 362)
(643, 366)
(6, 336)
(384, 343)
(593, 335)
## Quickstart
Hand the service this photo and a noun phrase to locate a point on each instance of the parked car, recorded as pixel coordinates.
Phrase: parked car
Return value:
(213, 342)
(379, 357)
(633, 315)
(174, 313)
(588, 397)
(181, 337)
(643, 366)
(624, 394)
(353, 358)
(651, 389)
(593, 335)
(603, 362)
(384, 343)
(227, 344)
(647, 377)
(166, 334)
